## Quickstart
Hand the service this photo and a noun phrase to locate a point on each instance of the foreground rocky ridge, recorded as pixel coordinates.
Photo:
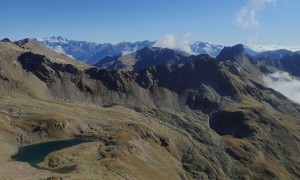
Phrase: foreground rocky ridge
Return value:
(207, 118)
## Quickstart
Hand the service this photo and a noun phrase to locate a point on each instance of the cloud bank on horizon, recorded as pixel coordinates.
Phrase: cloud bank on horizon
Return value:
(246, 17)
(262, 48)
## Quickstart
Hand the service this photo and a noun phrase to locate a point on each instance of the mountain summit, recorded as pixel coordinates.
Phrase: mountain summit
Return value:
(231, 53)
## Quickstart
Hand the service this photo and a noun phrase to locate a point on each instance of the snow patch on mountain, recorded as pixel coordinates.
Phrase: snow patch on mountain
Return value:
(54, 39)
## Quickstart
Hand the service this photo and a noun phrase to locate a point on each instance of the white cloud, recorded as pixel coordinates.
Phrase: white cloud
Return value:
(59, 49)
(246, 17)
(126, 52)
(171, 42)
(284, 83)
(129, 51)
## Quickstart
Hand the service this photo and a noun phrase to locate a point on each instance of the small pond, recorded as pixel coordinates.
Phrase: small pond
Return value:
(35, 153)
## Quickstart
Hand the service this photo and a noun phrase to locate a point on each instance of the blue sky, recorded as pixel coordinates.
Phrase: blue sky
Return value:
(218, 21)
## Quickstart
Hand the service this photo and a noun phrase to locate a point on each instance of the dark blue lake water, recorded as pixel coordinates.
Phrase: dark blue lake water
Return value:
(35, 153)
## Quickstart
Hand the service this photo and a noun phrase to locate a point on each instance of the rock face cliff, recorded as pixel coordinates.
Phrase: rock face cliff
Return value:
(194, 119)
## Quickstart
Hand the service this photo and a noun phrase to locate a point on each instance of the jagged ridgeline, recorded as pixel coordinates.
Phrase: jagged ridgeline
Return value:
(151, 114)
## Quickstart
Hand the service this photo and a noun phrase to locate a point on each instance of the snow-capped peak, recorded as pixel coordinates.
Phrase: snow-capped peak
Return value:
(199, 47)
(54, 39)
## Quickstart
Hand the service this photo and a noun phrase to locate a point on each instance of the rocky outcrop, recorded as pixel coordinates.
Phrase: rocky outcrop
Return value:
(234, 123)
(204, 99)
(39, 65)
(114, 80)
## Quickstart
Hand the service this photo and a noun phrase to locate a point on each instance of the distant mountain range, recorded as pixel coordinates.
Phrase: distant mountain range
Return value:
(275, 54)
(92, 53)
